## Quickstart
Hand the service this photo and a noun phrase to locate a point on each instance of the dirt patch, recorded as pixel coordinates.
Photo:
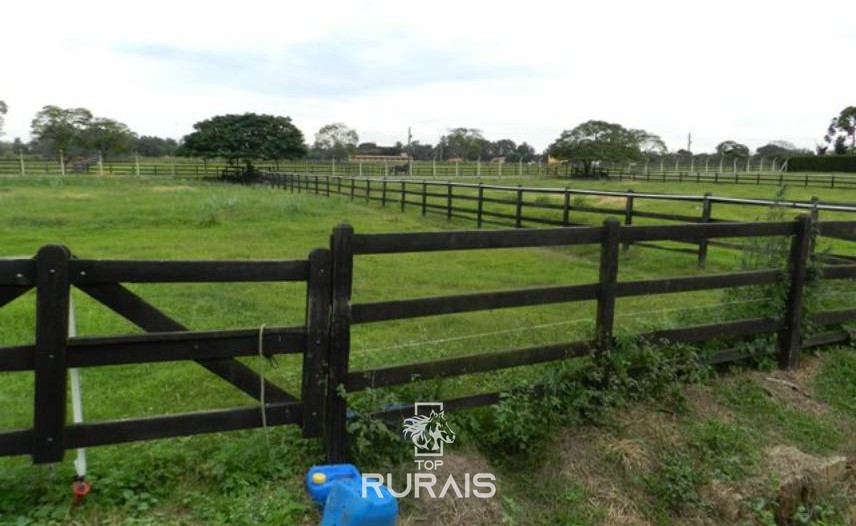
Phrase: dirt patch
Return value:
(581, 460)
(176, 188)
(450, 509)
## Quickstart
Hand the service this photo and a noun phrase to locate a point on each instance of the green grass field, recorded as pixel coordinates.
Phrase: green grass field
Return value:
(235, 477)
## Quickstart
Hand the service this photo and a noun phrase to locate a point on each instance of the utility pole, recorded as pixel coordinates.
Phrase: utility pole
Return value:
(690, 142)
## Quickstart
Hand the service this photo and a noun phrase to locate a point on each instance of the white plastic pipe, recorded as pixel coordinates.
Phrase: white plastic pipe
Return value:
(76, 398)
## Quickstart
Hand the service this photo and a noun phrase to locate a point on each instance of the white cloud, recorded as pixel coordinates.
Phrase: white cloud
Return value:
(751, 71)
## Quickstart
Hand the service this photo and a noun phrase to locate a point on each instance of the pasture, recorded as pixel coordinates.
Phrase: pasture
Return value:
(216, 478)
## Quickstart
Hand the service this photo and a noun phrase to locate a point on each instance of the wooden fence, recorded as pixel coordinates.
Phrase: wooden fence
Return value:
(522, 207)
(324, 338)
(193, 168)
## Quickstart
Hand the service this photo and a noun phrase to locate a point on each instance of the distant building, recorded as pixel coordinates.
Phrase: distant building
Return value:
(499, 159)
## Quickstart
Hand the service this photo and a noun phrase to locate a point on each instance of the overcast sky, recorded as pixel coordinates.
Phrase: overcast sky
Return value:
(751, 70)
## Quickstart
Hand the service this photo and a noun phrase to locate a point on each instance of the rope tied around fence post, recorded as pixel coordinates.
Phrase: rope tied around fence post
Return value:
(262, 380)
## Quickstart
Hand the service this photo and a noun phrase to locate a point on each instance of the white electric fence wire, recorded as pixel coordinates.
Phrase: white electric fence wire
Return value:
(76, 394)
(547, 325)
(262, 404)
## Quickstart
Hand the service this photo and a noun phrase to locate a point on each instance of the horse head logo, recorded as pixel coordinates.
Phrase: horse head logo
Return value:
(429, 432)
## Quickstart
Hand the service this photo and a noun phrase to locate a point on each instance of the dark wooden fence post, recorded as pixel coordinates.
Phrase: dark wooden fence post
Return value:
(383, 194)
(317, 355)
(339, 186)
(317, 189)
(706, 207)
(353, 183)
(608, 277)
(52, 293)
(335, 415)
(790, 339)
(299, 189)
(519, 208)
(480, 206)
(327, 185)
(628, 214)
(424, 197)
(815, 217)
(403, 194)
(566, 207)
(448, 200)
(368, 190)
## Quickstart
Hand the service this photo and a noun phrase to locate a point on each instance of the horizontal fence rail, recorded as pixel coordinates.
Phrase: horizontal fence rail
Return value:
(755, 171)
(324, 338)
(528, 206)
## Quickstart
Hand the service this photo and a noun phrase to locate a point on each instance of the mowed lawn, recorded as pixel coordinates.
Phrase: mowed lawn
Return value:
(128, 218)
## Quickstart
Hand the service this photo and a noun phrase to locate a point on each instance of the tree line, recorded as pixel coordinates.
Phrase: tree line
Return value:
(242, 138)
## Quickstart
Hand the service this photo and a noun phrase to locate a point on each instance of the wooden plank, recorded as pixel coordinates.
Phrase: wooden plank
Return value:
(473, 239)
(518, 210)
(461, 365)
(666, 217)
(91, 434)
(17, 272)
(834, 317)
(790, 336)
(17, 358)
(90, 272)
(133, 308)
(10, 293)
(706, 208)
(317, 352)
(608, 276)
(628, 215)
(52, 299)
(690, 283)
(698, 333)
(480, 209)
(432, 306)
(838, 272)
(826, 338)
(335, 413)
(838, 229)
(708, 230)
(177, 346)
(16, 442)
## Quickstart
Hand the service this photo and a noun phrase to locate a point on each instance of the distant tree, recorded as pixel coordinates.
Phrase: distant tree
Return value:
(524, 152)
(244, 139)
(732, 149)
(151, 146)
(19, 146)
(501, 148)
(650, 143)
(421, 152)
(335, 141)
(594, 141)
(57, 129)
(842, 129)
(3, 110)
(780, 149)
(466, 143)
(107, 136)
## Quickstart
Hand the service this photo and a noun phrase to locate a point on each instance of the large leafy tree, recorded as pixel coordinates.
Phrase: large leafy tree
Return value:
(107, 136)
(594, 141)
(60, 129)
(335, 141)
(244, 138)
(151, 146)
(732, 149)
(842, 130)
(467, 143)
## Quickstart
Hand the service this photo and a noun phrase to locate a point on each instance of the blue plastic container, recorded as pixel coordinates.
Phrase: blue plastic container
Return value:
(346, 506)
(320, 479)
